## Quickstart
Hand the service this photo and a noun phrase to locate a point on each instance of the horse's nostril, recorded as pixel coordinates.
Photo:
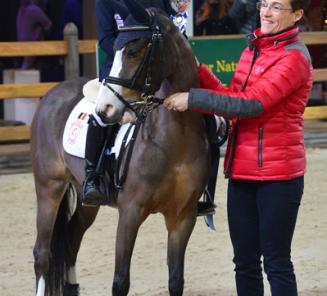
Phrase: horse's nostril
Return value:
(107, 108)
(102, 116)
(106, 112)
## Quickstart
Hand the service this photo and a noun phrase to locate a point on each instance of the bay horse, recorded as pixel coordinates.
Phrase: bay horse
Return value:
(167, 173)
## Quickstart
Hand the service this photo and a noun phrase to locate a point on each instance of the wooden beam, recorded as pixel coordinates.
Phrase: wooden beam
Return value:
(33, 48)
(43, 48)
(315, 113)
(309, 38)
(29, 90)
(15, 149)
(53, 48)
(87, 46)
(15, 133)
(22, 133)
(210, 37)
(319, 75)
(25, 90)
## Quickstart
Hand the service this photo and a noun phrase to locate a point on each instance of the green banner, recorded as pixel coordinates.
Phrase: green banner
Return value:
(221, 55)
(100, 56)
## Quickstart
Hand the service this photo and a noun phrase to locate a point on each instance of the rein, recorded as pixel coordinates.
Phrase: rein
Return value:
(119, 179)
(147, 99)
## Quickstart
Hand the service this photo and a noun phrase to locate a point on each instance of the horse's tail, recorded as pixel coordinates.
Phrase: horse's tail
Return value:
(60, 247)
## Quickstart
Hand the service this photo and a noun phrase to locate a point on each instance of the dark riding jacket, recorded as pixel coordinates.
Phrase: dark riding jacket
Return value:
(266, 101)
(109, 15)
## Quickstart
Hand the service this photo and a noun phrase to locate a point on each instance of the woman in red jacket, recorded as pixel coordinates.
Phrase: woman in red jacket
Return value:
(265, 158)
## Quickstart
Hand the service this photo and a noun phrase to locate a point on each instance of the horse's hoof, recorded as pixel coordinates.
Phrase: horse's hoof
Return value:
(71, 290)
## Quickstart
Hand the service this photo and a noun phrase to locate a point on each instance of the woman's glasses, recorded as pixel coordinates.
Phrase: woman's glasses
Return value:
(274, 7)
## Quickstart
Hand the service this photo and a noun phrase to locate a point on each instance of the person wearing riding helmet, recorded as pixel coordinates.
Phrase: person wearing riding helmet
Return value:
(110, 15)
(265, 158)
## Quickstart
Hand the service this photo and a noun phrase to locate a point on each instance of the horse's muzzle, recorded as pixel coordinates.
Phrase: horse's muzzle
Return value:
(114, 118)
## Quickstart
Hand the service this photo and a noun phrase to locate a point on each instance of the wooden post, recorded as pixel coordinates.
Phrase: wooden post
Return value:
(72, 58)
(89, 32)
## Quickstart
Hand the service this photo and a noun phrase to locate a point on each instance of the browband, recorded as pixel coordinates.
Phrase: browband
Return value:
(134, 28)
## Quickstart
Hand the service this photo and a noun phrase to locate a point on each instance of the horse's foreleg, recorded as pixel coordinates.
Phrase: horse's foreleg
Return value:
(129, 222)
(179, 232)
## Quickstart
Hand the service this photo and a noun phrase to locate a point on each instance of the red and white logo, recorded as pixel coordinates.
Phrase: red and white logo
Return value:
(74, 131)
(259, 70)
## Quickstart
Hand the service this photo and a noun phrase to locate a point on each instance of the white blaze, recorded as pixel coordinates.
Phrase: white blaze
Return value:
(107, 103)
(117, 64)
(114, 72)
(105, 95)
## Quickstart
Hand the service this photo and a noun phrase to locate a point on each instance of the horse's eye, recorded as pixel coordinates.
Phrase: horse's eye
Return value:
(131, 54)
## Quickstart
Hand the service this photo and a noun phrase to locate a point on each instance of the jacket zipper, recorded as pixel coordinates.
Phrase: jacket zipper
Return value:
(235, 130)
(260, 148)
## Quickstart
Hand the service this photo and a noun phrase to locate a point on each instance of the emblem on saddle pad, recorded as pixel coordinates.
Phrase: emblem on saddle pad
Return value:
(76, 127)
(74, 137)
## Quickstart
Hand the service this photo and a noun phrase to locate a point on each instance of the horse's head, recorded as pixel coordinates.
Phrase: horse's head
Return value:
(149, 49)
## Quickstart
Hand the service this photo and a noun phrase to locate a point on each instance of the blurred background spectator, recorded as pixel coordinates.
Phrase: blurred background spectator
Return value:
(32, 23)
(211, 18)
(245, 15)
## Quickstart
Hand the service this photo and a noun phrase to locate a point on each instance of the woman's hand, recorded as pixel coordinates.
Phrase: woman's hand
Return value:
(177, 102)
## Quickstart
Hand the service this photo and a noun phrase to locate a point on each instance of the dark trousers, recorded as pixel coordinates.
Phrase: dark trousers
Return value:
(262, 217)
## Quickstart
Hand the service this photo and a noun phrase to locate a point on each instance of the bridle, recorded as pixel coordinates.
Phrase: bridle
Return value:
(141, 107)
(147, 100)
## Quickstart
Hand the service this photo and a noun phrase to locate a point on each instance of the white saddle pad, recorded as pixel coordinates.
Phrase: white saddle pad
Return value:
(74, 138)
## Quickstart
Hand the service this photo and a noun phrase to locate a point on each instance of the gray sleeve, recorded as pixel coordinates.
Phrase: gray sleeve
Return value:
(224, 105)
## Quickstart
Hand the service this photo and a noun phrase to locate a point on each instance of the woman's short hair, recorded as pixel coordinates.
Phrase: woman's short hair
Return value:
(300, 4)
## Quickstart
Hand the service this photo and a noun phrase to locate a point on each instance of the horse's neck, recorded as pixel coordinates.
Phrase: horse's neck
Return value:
(177, 84)
(165, 90)
(185, 74)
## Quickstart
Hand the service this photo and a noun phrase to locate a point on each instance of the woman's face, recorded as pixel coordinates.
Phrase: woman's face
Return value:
(277, 15)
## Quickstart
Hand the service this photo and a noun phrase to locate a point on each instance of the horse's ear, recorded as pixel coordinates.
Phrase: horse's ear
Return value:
(139, 13)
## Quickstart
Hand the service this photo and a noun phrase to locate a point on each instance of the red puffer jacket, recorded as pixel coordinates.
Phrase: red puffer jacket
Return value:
(266, 101)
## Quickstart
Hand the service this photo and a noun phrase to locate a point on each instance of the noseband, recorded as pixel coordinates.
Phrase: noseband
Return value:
(147, 99)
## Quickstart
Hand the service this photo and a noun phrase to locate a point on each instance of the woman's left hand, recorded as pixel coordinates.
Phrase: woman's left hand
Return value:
(177, 102)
